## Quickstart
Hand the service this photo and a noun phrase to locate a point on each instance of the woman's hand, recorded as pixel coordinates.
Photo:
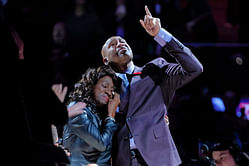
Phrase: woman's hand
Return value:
(113, 104)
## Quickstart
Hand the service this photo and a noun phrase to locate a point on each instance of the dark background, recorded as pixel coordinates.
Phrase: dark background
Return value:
(215, 30)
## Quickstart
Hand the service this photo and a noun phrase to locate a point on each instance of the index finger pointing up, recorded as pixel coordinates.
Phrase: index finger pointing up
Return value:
(147, 11)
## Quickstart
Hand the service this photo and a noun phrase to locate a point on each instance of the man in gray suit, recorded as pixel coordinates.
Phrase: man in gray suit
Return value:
(143, 137)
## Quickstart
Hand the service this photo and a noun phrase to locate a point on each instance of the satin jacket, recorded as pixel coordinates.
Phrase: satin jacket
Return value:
(89, 139)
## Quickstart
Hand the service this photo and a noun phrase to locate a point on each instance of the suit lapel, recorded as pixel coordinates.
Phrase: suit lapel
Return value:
(135, 78)
(133, 89)
(125, 101)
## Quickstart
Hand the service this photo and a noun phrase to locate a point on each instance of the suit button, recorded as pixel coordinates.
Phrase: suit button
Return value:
(128, 118)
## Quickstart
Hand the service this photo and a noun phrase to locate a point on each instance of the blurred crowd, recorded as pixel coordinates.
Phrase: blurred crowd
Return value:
(56, 41)
(70, 33)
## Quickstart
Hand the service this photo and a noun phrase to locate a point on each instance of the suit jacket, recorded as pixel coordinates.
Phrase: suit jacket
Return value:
(150, 95)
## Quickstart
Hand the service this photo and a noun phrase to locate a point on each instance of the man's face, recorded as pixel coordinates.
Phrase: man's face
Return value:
(223, 158)
(117, 51)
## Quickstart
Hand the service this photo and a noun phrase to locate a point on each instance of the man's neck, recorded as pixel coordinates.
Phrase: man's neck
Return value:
(130, 68)
(124, 68)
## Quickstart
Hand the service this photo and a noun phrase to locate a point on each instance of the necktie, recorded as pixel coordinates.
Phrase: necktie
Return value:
(124, 96)
(132, 143)
(124, 86)
(124, 90)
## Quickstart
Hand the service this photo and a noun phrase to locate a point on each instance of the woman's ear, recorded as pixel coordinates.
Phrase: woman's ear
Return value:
(105, 60)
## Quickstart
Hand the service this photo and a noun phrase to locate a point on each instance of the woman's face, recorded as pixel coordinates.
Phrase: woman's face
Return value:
(103, 90)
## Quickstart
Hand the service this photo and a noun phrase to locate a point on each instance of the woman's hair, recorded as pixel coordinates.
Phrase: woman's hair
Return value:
(84, 89)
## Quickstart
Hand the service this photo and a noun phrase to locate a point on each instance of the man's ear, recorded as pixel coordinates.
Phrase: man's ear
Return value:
(105, 60)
